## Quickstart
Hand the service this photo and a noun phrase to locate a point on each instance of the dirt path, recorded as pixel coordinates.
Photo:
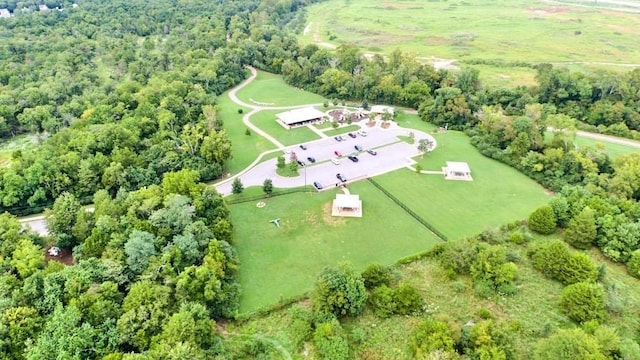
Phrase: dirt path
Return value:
(609, 138)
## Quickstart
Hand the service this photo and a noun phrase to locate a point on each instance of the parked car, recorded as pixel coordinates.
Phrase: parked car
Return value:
(303, 147)
(362, 133)
(338, 138)
(337, 153)
(352, 135)
(372, 152)
(358, 147)
(311, 159)
(317, 185)
(335, 161)
(341, 177)
(300, 162)
(353, 158)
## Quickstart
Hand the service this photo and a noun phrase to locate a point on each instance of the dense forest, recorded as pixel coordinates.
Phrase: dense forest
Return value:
(121, 97)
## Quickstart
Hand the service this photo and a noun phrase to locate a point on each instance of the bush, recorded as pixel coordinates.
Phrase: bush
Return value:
(240, 111)
(339, 291)
(382, 301)
(300, 325)
(492, 269)
(236, 186)
(569, 344)
(375, 275)
(517, 237)
(584, 301)
(330, 341)
(458, 255)
(430, 336)
(555, 261)
(543, 220)
(633, 265)
(581, 231)
(408, 300)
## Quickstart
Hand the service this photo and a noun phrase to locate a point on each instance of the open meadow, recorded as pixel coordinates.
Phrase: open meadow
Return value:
(270, 90)
(19, 142)
(279, 263)
(497, 195)
(488, 31)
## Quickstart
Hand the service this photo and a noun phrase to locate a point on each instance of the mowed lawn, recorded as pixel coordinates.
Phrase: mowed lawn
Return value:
(266, 120)
(278, 263)
(270, 90)
(497, 195)
(244, 148)
(613, 150)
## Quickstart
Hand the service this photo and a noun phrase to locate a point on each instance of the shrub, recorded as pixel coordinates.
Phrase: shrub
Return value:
(300, 325)
(458, 255)
(581, 231)
(236, 186)
(408, 300)
(543, 220)
(491, 268)
(555, 261)
(560, 207)
(633, 265)
(330, 341)
(517, 237)
(240, 111)
(430, 336)
(569, 344)
(584, 301)
(375, 275)
(339, 291)
(382, 300)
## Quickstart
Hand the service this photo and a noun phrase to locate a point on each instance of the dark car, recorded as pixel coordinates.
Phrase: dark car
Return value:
(303, 147)
(358, 147)
(353, 135)
(337, 153)
(353, 158)
(341, 177)
(338, 138)
(317, 185)
(300, 162)
(372, 152)
(311, 159)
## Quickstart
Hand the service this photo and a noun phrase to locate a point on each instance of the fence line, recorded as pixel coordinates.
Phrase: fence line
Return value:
(409, 211)
(265, 196)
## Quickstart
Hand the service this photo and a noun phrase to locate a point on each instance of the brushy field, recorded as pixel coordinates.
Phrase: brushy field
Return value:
(8, 146)
(506, 30)
(279, 263)
(533, 311)
(270, 90)
(497, 195)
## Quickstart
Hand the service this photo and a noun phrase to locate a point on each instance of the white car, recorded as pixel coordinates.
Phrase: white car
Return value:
(362, 133)
(335, 161)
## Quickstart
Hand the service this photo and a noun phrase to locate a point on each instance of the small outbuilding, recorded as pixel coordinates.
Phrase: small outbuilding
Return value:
(299, 117)
(457, 171)
(5, 13)
(348, 205)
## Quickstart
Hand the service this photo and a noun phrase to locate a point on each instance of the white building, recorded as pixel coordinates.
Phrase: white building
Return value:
(299, 117)
(457, 171)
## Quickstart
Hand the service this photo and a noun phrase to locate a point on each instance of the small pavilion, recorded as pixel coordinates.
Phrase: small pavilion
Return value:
(381, 109)
(348, 205)
(457, 171)
(299, 117)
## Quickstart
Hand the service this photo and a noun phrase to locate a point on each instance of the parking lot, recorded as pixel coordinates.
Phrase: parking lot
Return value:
(392, 154)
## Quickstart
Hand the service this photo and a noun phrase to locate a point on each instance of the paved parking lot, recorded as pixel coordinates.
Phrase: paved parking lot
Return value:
(393, 154)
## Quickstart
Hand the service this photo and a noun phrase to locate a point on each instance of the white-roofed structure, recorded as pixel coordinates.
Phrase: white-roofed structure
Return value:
(5, 13)
(381, 109)
(457, 171)
(299, 117)
(347, 205)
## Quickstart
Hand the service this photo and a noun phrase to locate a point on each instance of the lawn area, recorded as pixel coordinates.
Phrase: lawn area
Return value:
(410, 120)
(271, 90)
(342, 130)
(497, 195)
(244, 148)
(266, 120)
(614, 150)
(283, 262)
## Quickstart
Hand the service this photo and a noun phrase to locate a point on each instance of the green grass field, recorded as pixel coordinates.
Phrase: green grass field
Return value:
(244, 148)
(271, 89)
(613, 149)
(342, 130)
(497, 195)
(505, 30)
(266, 120)
(283, 262)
